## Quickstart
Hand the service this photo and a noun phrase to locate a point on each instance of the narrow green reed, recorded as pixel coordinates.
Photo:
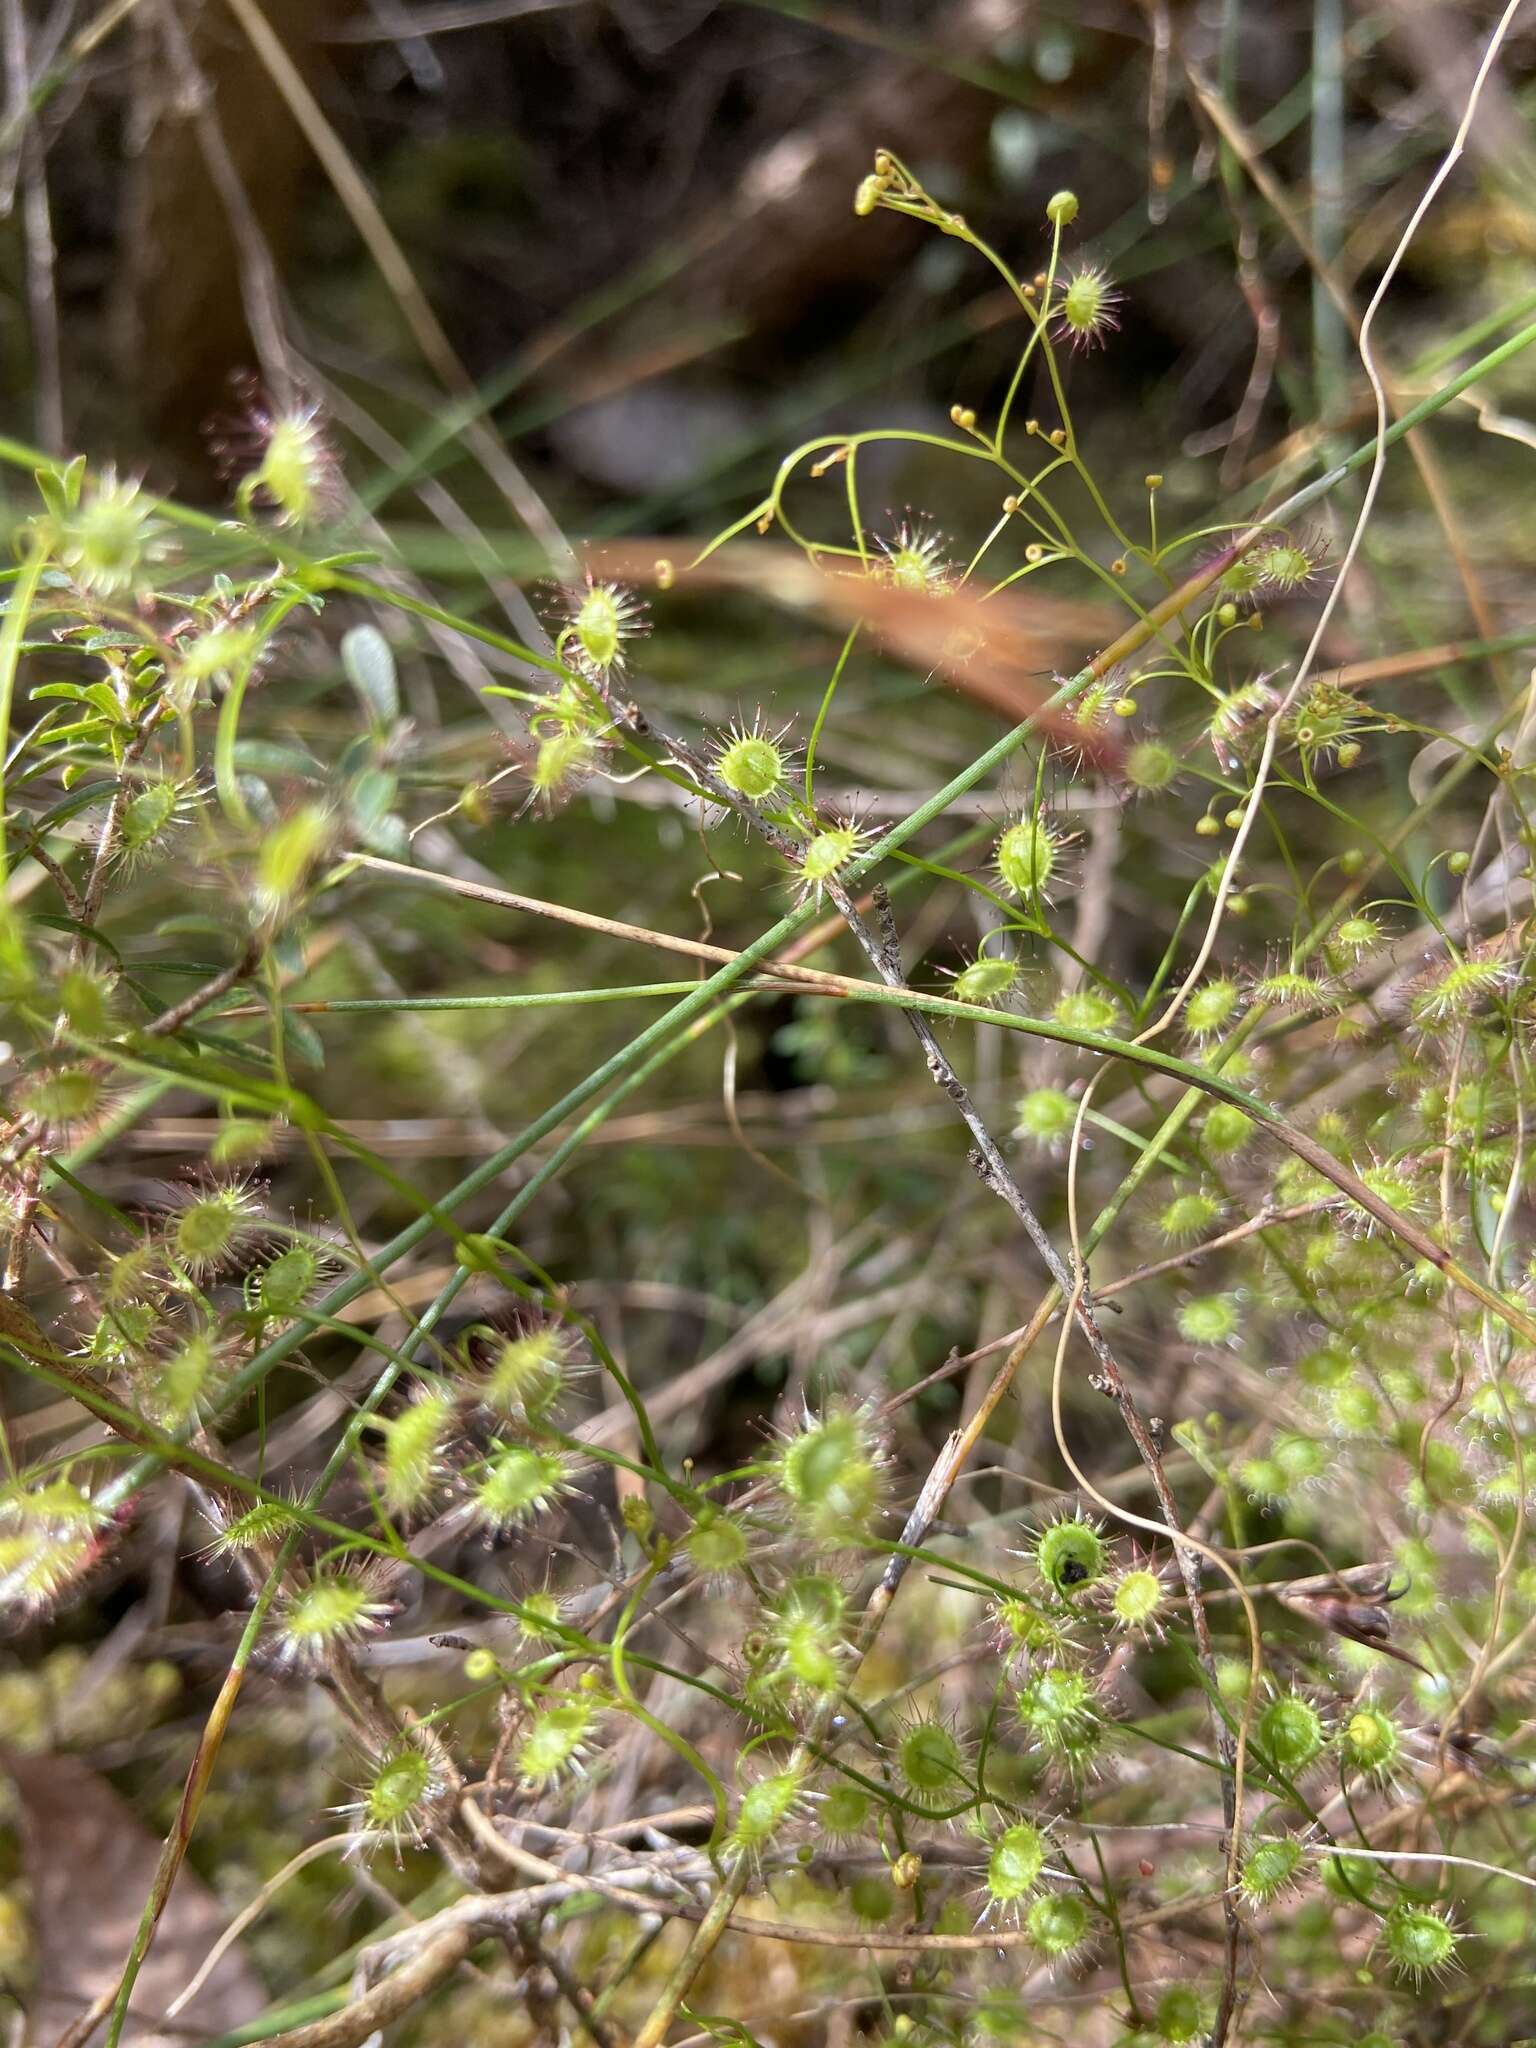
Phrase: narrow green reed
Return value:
(23, 594)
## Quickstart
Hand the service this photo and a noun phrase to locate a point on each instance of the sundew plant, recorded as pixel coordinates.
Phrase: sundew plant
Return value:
(1146, 1660)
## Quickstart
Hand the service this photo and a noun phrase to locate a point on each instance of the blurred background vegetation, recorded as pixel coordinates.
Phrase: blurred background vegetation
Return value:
(627, 229)
(589, 267)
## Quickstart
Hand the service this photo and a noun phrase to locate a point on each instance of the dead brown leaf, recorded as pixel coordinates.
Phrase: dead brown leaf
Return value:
(90, 1864)
(1004, 652)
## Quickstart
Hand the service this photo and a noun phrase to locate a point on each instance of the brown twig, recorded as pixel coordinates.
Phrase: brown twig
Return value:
(386, 2002)
(587, 920)
(492, 1911)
